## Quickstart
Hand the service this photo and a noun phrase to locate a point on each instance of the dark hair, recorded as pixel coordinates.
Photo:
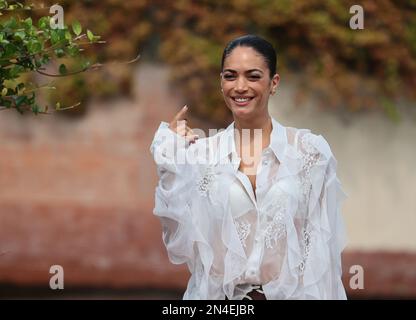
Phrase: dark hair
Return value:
(261, 45)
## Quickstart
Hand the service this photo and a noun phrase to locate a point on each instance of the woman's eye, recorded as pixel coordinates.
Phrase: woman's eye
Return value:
(254, 77)
(229, 76)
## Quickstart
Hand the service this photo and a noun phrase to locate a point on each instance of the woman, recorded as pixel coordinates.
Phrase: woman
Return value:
(257, 225)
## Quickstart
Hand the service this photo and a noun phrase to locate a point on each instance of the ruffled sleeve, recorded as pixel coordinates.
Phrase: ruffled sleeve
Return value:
(324, 233)
(171, 196)
(331, 201)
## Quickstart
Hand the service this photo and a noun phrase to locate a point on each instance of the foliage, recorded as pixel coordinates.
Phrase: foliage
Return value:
(125, 26)
(352, 70)
(26, 46)
(348, 69)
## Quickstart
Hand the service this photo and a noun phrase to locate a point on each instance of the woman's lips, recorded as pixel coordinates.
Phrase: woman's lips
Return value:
(242, 101)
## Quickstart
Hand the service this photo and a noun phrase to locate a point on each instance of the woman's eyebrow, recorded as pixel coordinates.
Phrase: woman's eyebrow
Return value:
(252, 70)
(229, 70)
(247, 71)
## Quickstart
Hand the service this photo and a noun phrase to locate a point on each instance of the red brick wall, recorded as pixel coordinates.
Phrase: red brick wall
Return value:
(80, 194)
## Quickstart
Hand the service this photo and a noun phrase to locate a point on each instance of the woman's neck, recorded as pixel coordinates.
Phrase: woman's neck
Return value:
(264, 123)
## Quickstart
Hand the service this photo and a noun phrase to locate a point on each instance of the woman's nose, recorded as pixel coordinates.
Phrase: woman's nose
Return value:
(241, 85)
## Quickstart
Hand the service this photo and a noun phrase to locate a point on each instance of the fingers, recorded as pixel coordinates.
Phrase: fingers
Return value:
(190, 135)
(181, 129)
(187, 133)
(181, 114)
(179, 125)
(178, 119)
(192, 138)
(179, 122)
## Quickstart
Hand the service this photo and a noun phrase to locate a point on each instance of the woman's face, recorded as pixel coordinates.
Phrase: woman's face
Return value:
(246, 83)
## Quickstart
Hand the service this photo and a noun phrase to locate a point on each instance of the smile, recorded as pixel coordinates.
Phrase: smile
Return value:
(242, 101)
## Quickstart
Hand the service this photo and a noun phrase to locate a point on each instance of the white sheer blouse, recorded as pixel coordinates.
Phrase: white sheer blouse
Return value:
(286, 235)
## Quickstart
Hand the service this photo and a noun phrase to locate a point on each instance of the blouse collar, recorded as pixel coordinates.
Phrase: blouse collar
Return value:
(278, 141)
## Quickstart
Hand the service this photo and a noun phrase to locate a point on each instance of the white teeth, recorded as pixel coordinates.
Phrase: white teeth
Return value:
(241, 99)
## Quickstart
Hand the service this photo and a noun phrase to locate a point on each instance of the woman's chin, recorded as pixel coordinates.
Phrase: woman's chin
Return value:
(242, 112)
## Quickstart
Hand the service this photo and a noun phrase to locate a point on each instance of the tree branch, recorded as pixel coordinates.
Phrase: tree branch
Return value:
(92, 67)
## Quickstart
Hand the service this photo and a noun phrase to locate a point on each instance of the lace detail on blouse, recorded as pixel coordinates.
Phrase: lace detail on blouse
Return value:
(308, 142)
(243, 230)
(275, 231)
(205, 183)
(306, 243)
(276, 228)
(309, 158)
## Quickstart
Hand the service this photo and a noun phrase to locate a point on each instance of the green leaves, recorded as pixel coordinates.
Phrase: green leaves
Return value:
(73, 51)
(35, 108)
(76, 27)
(34, 46)
(20, 35)
(20, 100)
(27, 46)
(60, 53)
(15, 71)
(11, 23)
(54, 37)
(28, 22)
(43, 23)
(62, 69)
(90, 35)
(68, 35)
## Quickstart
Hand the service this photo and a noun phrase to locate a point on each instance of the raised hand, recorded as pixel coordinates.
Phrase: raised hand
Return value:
(179, 125)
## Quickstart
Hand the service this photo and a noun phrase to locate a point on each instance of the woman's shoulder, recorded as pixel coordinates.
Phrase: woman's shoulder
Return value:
(307, 142)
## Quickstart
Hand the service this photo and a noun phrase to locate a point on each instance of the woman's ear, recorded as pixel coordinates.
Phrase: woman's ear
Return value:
(274, 83)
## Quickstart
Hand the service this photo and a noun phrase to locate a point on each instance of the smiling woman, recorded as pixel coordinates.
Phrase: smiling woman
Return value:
(254, 211)
(248, 76)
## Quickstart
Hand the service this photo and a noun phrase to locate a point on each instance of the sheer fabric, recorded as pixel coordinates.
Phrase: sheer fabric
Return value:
(287, 235)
